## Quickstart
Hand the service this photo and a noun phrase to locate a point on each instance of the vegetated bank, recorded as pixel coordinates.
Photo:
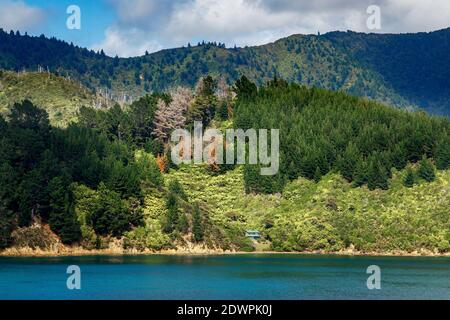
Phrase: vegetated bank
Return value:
(355, 175)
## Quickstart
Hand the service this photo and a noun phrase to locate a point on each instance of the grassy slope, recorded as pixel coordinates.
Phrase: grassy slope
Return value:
(329, 215)
(61, 98)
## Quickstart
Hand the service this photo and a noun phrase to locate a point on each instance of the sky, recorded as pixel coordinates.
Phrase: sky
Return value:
(131, 27)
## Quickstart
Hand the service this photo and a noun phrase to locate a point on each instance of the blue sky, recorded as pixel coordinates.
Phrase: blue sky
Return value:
(96, 16)
(130, 27)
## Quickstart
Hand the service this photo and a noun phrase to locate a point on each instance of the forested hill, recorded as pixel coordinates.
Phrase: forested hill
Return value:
(353, 174)
(404, 70)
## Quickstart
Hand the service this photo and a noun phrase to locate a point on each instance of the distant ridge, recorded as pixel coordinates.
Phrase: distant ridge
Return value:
(406, 70)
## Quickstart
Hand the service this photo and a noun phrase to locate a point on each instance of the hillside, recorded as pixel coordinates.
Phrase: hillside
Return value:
(414, 66)
(354, 174)
(328, 215)
(60, 97)
(405, 70)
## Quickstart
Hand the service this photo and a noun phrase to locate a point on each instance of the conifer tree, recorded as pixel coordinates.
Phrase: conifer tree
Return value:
(176, 188)
(6, 227)
(222, 110)
(197, 226)
(111, 215)
(408, 181)
(183, 224)
(426, 170)
(377, 176)
(360, 175)
(317, 175)
(244, 88)
(347, 162)
(442, 154)
(172, 213)
(62, 219)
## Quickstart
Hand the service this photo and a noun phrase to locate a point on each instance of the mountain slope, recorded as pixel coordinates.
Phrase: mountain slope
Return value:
(329, 215)
(415, 66)
(404, 70)
(60, 97)
(343, 168)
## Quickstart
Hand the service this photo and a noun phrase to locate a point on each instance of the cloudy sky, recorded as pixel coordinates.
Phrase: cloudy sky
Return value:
(130, 27)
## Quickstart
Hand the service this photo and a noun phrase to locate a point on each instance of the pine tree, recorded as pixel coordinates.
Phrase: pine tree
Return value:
(244, 88)
(149, 170)
(111, 214)
(360, 175)
(176, 188)
(377, 175)
(426, 170)
(62, 219)
(222, 110)
(408, 181)
(6, 227)
(172, 213)
(347, 161)
(183, 224)
(399, 157)
(317, 175)
(197, 227)
(206, 86)
(442, 154)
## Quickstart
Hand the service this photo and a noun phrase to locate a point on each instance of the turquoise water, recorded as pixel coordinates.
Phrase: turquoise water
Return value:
(244, 277)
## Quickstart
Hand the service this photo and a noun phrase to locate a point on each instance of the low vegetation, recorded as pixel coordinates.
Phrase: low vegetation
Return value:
(60, 97)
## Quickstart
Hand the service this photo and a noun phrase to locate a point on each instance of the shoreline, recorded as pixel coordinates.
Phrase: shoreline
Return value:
(79, 252)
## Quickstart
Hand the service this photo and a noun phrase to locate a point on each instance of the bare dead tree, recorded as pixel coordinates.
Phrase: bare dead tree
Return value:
(171, 116)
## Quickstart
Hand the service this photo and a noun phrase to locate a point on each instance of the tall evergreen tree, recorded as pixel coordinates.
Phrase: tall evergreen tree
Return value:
(244, 88)
(426, 170)
(377, 175)
(62, 219)
(197, 227)
(408, 181)
(442, 154)
(172, 213)
(361, 173)
(347, 162)
(317, 175)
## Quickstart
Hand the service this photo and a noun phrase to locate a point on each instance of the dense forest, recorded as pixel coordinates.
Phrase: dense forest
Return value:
(40, 166)
(324, 131)
(106, 161)
(109, 176)
(406, 70)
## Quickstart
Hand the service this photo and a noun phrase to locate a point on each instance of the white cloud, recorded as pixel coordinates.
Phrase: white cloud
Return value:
(17, 15)
(226, 20)
(126, 43)
(135, 10)
(154, 24)
(416, 16)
